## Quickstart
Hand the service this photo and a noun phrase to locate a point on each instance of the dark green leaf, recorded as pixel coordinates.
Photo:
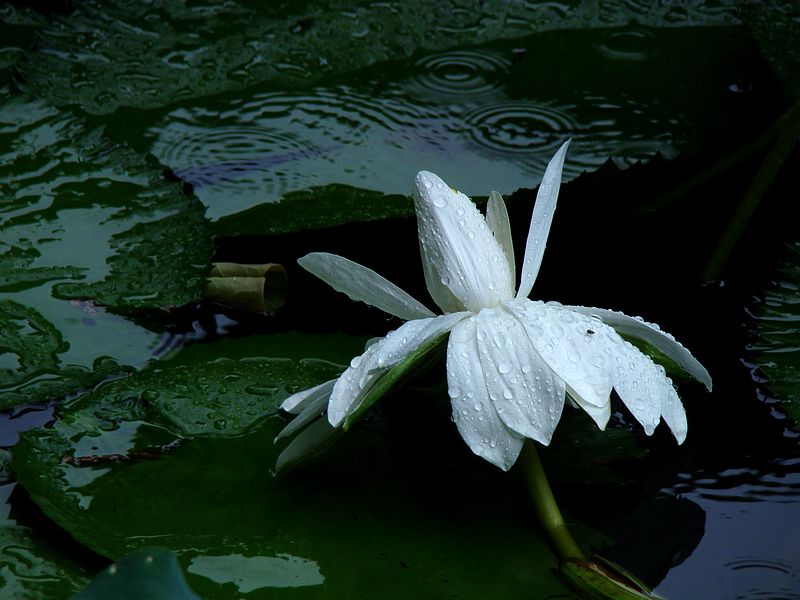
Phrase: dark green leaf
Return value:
(775, 25)
(85, 225)
(108, 473)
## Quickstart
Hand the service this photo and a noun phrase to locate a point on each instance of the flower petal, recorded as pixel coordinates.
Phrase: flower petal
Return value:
(297, 402)
(673, 413)
(641, 384)
(312, 441)
(473, 411)
(365, 370)
(653, 335)
(528, 396)
(572, 345)
(498, 221)
(465, 267)
(353, 384)
(541, 219)
(312, 410)
(413, 334)
(361, 283)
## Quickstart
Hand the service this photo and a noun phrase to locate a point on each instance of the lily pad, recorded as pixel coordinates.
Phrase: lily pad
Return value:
(30, 366)
(30, 566)
(238, 530)
(30, 569)
(776, 28)
(103, 56)
(89, 230)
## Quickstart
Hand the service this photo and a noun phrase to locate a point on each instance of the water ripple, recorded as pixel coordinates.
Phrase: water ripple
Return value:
(751, 577)
(463, 74)
(519, 127)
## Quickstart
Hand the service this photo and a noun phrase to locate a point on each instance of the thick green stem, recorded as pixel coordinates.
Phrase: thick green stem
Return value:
(546, 507)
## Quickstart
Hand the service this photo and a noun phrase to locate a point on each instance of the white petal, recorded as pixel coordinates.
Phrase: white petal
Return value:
(541, 219)
(312, 441)
(465, 267)
(361, 283)
(378, 358)
(572, 345)
(528, 396)
(311, 411)
(673, 413)
(498, 222)
(653, 335)
(599, 414)
(413, 334)
(641, 384)
(473, 411)
(354, 384)
(297, 402)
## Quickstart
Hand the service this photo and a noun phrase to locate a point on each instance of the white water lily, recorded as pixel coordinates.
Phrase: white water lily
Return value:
(511, 361)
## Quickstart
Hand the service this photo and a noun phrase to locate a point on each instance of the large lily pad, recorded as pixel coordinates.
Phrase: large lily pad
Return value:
(111, 54)
(89, 228)
(30, 568)
(125, 468)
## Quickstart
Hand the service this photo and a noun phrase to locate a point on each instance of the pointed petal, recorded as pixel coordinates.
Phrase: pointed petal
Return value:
(354, 383)
(542, 217)
(599, 414)
(361, 283)
(498, 221)
(528, 396)
(365, 370)
(473, 411)
(465, 267)
(673, 413)
(641, 384)
(312, 410)
(573, 346)
(413, 334)
(297, 402)
(653, 335)
(311, 442)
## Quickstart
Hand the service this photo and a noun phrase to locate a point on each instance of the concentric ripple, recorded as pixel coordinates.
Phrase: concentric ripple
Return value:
(252, 149)
(758, 577)
(512, 127)
(460, 74)
(204, 157)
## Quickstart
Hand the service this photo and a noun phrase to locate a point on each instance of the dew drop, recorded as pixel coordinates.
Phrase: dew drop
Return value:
(504, 367)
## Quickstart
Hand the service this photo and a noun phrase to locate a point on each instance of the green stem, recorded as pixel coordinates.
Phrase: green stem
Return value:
(789, 133)
(546, 507)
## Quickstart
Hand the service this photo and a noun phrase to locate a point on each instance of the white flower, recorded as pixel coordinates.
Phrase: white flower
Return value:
(510, 360)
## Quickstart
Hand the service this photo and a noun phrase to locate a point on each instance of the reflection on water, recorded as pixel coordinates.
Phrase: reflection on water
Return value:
(257, 572)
